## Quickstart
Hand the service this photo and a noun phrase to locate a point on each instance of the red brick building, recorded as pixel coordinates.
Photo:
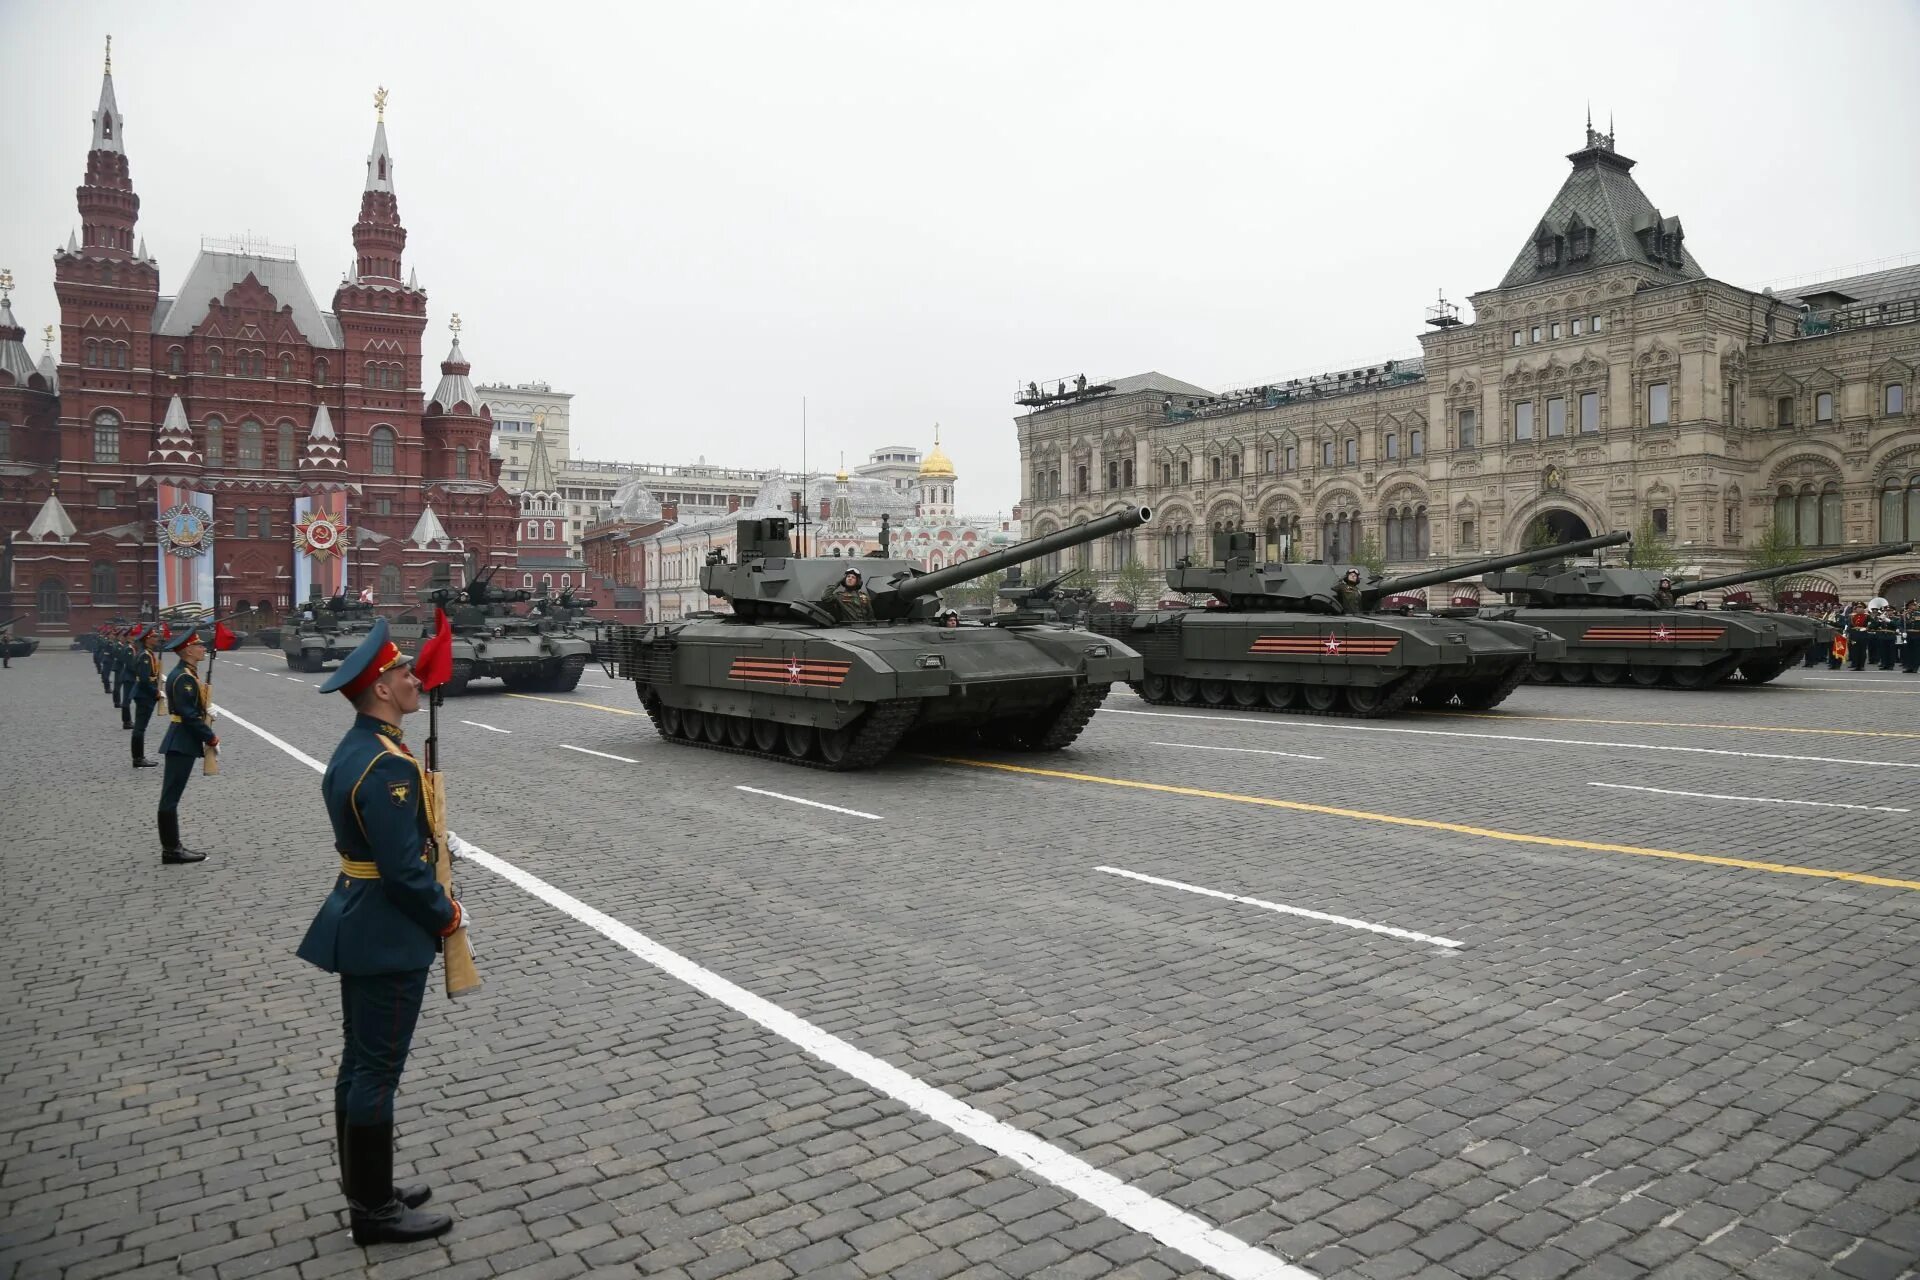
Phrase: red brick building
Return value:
(238, 387)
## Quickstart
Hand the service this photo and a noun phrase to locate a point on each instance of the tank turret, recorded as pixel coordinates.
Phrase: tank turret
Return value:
(1051, 600)
(1241, 583)
(1626, 588)
(771, 584)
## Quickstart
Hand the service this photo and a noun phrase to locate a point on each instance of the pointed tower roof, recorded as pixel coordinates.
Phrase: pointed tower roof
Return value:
(173, 442)
(540, 477)
(106, 117)
(455, 388)
(52, 522)
(379, 160)
(14, 360)
(49, 367)
(428, 531)
(1601, 218)
(322, 457)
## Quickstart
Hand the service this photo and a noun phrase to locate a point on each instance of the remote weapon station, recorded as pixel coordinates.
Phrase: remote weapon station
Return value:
(1297, 637)
(787, 677)
(1620, 624)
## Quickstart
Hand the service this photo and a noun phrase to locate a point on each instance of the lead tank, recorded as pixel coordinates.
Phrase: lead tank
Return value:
(490, 641)
(1617, 628)
(324, 629)
(1280, 638)
(784, 678)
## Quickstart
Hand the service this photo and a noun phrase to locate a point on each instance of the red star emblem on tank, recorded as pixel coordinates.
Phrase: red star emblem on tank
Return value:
(1661, 633)
(793, 671)
(1333, 644)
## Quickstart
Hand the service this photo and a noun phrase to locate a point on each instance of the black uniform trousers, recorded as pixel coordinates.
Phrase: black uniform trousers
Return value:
(378, 1012)
(173, 780)
(142, 714)
(1857, 649)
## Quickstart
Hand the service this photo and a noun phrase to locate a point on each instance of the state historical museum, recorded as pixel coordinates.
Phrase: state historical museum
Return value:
(234, 444)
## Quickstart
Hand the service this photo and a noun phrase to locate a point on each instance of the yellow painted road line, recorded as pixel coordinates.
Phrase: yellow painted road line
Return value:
(1519, 717)
(1430, 824)
(567, 702)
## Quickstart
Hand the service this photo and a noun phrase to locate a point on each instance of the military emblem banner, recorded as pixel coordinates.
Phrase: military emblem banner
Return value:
(185, 533)
(320, 541)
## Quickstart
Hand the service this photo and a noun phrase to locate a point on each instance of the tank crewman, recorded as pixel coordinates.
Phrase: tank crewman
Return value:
(145, 690)
(1663, 594)
(849, 600)
(189, 734)
(379, 930)
(1347, 592)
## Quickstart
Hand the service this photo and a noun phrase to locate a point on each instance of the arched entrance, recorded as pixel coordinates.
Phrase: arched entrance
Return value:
(1899, 590)
(52, 601)
(1560, 524)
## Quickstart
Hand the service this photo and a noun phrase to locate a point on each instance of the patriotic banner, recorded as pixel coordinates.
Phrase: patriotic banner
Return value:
(320, 541)
(185, 530)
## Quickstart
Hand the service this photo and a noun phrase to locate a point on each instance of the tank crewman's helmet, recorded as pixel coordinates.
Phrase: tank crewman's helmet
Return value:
(1353, 575)
(372, 658)
(851, 573)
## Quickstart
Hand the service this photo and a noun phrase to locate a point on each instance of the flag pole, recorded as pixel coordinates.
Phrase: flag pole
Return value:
(210, 757)
(461, 974)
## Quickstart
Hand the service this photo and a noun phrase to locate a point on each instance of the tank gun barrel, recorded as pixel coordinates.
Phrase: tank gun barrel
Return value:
(1780, 571)
(1453, 573)
(1086, 531)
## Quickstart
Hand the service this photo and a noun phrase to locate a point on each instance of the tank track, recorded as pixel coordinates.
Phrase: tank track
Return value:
(1494, 696)
(877, 734)
(1396, 700)
(1712, 676)
(1071, 719)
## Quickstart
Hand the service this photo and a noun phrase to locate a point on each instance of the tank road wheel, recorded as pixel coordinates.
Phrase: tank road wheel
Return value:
(462, 672)
(766, 735)
(1056, 729)
(713, 727)
(1246, 694)
(671, 722)
(797, 739)
(1280, 695)
(1320, 698)
(1213, 692)
(739, 731)
(1687, 677)
(1365, 701)
(567, 678)
(834, 745)
(1540, 674)
(295, 662)
(1153, 688)
(1574, 672)
(1184, 689)
(1607, 673)
(1644, 676)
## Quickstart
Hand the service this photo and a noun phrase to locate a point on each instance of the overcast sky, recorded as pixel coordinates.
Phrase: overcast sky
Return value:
(693, 215)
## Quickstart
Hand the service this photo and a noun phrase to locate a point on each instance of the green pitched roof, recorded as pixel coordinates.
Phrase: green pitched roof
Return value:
(1601, 218)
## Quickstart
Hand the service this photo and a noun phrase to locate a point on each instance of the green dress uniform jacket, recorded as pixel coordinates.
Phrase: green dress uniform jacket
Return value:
(386, 913)
(190, 730)
(850, 606)
(146, 677)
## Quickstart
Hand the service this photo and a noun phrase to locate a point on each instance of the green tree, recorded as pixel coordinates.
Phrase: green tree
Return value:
(981, 591)
(1369, 556)
(1136, 584)
(1652, 549)
(1538, 535)
(1775, 548)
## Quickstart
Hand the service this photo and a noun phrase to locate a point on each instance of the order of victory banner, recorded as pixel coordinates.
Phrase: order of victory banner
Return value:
(185, 531)
(320, 539)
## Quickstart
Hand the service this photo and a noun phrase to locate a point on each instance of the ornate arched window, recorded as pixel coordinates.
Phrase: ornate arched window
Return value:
(1830, 521)
(106, 436)
(533, 530)
(1395, 549)
(250, 443)
(382, 440)
(1422, 534)
(460, 462)
(176, 361)
(216, 363)
(1784, 514)
(52, 599)
(320, 373)
(1353, 451)
(286, 365)
(283, 451)
(1807, 515)
(216, 442)
(105, 582)
(390, 582)
(546, 531)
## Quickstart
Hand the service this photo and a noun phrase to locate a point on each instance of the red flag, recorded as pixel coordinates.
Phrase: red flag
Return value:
(433, 664)
(223, 637)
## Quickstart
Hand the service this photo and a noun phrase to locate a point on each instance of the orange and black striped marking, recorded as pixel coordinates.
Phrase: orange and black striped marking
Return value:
(1652, 635)
(1327, 646)
(820, 673)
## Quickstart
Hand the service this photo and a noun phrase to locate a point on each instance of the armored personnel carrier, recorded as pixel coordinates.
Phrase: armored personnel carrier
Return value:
(1620, 624)
(1282, 638)
(491, 641)
(324, 629)
(789, 677)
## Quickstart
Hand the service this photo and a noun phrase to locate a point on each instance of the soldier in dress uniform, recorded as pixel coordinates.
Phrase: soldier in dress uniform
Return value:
(379, 930)
(1882, 628)
(189, 735)
(122, 673)
(145, 690)
(1857, 639)
(1909, 635)
(849, 600)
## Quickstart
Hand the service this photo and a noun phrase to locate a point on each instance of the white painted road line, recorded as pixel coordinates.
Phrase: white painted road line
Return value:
(603, 755)
(476, 724)
(1387, 929)
(1171, 1225)
(1250, 751)
(1709, 795)
(812, 804)
(1287, 723)
(295, 679)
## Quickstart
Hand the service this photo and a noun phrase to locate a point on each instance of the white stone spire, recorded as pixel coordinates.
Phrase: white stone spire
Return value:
(322, 457)
(107, 123)
(428, 531)
(379, 161)
(52, 522)
(173, 442)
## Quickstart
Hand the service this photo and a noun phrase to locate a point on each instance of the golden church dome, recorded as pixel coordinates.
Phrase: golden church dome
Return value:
(937, 463)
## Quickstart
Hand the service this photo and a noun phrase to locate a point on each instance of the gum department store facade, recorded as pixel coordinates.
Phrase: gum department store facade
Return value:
(1606, 380)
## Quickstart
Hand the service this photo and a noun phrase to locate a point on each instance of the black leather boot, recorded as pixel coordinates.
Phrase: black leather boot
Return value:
(171, 850)
(412, 1197)
(376, 1214)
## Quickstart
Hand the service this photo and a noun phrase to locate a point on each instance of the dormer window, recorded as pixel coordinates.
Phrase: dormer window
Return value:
(1549, 247)
(1580, 244)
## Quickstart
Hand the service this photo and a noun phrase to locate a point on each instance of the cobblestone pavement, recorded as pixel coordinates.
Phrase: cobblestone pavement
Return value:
(1661, 1048)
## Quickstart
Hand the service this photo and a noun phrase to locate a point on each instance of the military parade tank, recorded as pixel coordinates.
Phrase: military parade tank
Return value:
(1280, 638)
(568, 612)
(784, 678)
(1616, 627)
(490, 641)
(323, 630)
(21, 646)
